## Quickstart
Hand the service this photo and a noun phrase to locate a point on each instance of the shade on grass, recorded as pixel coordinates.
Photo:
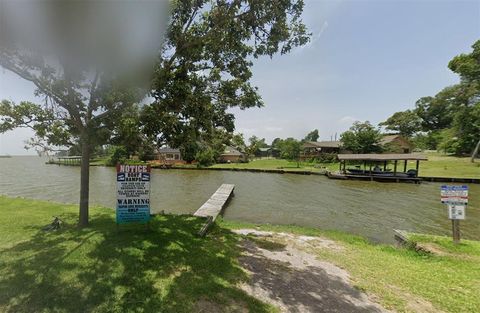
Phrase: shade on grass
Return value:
(165, 268)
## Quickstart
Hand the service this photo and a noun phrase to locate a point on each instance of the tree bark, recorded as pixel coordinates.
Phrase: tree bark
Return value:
(84, 182)
(475, 152)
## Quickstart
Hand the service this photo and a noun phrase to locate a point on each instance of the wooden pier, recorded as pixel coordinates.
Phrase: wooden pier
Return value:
(214, 206)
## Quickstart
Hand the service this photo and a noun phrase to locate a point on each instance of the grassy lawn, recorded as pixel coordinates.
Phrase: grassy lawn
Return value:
(105, 269)
(273, 164)
(440, 165)
(167, 268)
(404, 279)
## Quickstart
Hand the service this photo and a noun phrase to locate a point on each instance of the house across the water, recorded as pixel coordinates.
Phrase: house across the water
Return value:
(231, 155)
(396, 143)
(313, 149)
(267, 152)
(169, 156)
(391, 143)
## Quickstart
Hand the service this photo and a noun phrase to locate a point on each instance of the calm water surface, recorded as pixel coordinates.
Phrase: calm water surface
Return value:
(366, 208)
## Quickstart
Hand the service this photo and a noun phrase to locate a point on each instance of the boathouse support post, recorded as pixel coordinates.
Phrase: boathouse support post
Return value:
(384, 166)
(417, 167)
(395, 168)
(405, 166)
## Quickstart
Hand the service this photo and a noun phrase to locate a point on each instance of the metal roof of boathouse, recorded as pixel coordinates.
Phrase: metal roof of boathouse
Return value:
(382, 157)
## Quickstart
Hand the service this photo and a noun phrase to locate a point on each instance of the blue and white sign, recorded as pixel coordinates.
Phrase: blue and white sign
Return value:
(454, 194)
(456, 198)
(133, 193)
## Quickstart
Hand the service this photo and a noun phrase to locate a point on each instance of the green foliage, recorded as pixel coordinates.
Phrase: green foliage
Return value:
(128, 134)
(238, 142)
(426, 141)
(205, 157)
(83, 92)
(438, 112)
(276, 143)
(362, 138)
(468, 65)
(405, 123)
(119, 155)
(189, 150)
(327, 158)
(255, 144)
(290, 149)
(451, 119)
(205, 67)
(312, 136)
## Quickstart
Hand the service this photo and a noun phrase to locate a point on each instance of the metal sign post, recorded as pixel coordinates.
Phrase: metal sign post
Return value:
(456, 198)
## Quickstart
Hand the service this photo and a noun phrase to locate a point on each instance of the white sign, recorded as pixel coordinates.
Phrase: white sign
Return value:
(133, 193)
(454, 194)
(456, 212)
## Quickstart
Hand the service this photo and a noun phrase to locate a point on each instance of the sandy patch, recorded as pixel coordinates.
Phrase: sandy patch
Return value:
(295, 280)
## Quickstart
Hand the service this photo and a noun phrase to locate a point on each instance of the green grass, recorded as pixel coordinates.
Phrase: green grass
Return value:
(166, 268)
(103, 161)
(275, 164)
(440, 165)
(450, 282)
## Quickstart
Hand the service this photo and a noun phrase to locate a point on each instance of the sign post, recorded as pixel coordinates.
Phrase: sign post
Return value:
(456, 198)
(133, 194)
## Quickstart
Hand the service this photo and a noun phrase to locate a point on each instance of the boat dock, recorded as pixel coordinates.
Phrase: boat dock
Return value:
(374, 171)
(217, 202)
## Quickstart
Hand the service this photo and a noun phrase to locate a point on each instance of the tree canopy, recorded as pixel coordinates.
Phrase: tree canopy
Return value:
(290, 149)
(205, 67)
(78, 63)
(450, 120)
(362, 137)
(405, 123)
(312, 136)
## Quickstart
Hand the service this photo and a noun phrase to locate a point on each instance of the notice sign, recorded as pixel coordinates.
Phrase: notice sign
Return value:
(133, 193)
(456, 197)
(454, 194)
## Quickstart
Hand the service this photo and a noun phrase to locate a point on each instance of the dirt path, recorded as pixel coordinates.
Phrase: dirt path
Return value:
(286, 276)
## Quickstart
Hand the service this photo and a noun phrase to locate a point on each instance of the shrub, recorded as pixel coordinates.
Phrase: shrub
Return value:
(205, 157)
(327, 158)
(119, 155)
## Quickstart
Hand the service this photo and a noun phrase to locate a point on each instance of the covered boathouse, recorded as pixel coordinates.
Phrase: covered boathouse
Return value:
(379, 167)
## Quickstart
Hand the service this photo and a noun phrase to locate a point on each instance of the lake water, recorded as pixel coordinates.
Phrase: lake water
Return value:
(369, 209)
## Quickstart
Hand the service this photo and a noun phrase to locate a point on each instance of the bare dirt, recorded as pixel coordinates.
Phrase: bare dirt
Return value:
(285, 275)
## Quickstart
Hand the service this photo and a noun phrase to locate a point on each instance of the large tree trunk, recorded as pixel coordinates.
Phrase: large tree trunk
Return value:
(475, 152)
(84, 183)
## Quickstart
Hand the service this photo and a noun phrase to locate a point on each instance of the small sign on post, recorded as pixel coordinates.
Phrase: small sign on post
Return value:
(133, 193)
(456, 198)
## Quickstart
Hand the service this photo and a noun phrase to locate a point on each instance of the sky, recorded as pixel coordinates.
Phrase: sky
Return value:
(366, 60)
